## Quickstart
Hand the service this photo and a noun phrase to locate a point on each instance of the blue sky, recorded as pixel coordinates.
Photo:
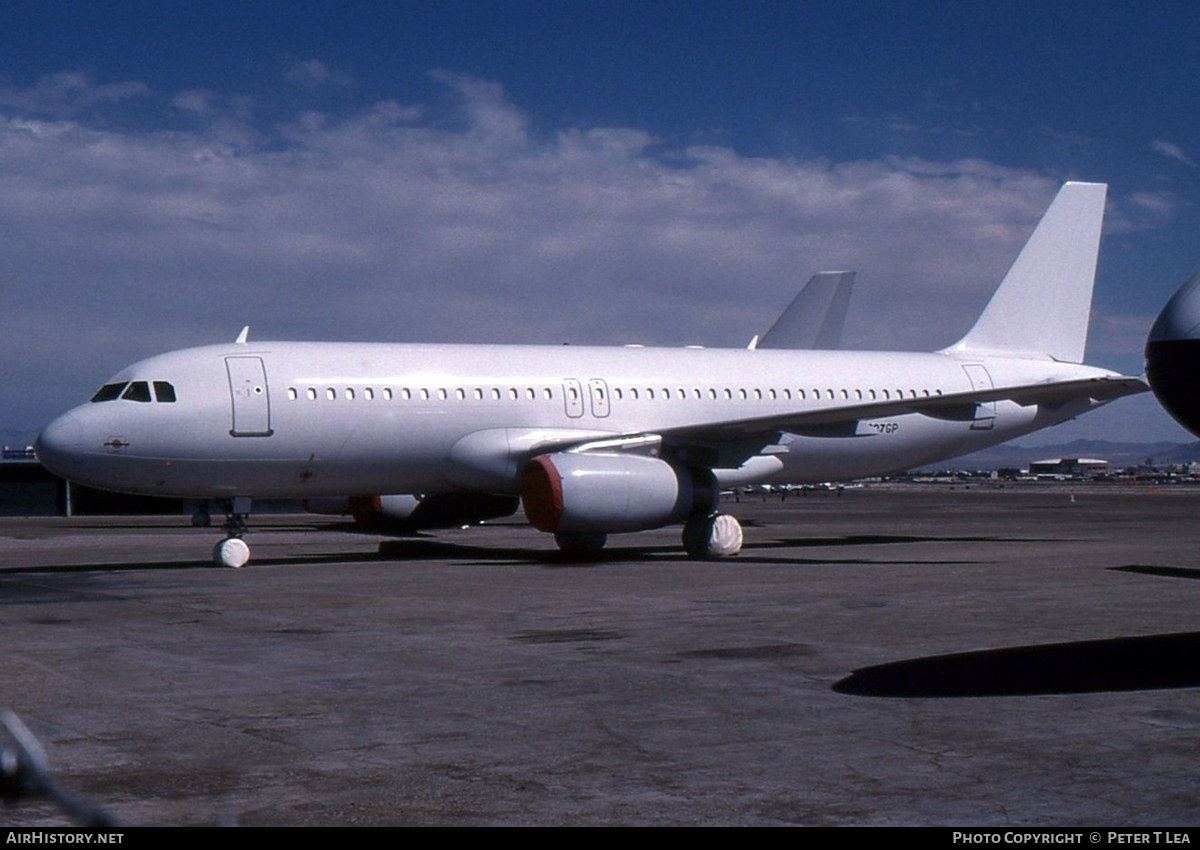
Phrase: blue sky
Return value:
(655, 172)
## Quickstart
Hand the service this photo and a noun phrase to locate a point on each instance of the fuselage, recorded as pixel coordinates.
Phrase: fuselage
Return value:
(290, 419)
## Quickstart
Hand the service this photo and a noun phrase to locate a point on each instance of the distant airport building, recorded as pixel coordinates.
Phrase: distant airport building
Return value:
(29, 489)
(1069, 467)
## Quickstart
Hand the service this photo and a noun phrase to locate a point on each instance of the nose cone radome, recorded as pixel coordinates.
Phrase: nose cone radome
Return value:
(1173, 356)
(59, 445)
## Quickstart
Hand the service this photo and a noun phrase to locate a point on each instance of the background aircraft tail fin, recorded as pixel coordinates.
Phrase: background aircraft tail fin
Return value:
(1042, 307)
(816, 317)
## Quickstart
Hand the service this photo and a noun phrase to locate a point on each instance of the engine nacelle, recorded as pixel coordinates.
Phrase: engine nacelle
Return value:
(403, 512)
(567, 493)
(1173, 356)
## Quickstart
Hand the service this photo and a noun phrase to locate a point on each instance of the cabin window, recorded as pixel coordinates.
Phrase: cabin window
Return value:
(292, 394)
(369, 393)
(387, 394)
(349, 394)
(137, 391)
(758, 394)
(547, 393)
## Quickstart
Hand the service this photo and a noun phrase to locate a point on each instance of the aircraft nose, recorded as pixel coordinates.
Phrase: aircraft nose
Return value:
(59, 444)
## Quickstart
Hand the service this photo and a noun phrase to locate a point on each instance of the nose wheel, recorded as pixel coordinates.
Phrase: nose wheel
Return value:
(233, 551)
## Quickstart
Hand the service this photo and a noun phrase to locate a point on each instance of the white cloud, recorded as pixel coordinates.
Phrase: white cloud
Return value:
(388, 224)
(196, 101)
(1159, 203)
(313, 74)
(68, 92)
(1172, 151)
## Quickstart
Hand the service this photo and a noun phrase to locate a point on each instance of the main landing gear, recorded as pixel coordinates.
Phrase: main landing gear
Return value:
(232, 551)
(712, 536)
(705, 535)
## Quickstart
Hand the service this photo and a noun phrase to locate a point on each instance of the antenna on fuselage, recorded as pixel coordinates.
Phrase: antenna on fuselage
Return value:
(243, 336)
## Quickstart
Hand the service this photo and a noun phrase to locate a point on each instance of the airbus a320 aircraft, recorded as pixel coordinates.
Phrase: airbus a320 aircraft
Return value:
(592, 440)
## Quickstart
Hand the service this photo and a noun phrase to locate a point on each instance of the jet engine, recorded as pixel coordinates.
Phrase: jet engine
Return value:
(403, 512)
(573, 493)
(1173, 356)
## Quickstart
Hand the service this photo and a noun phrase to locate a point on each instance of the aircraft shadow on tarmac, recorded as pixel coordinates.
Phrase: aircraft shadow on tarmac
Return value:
(412, 548)
(1165, 572)
(422, 547)
(1116, 664)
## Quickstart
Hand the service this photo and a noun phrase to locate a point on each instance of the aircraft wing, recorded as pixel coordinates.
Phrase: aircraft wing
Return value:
(953, 406)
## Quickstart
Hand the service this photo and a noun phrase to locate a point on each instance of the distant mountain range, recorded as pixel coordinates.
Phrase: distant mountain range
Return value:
(1117, 454)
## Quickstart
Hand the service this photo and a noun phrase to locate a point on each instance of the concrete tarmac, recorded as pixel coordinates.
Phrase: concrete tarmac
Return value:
(1025, 656)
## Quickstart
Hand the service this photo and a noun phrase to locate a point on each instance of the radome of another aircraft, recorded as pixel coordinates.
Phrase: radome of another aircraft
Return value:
(1173, 356)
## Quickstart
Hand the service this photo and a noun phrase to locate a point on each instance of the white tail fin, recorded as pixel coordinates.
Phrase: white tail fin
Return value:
(1041, 308)
(816, 317)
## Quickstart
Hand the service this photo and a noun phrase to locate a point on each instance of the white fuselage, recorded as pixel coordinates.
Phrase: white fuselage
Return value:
(287, 419)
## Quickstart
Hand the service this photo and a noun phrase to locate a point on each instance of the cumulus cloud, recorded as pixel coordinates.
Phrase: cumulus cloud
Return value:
(387, 224)
(67, 93)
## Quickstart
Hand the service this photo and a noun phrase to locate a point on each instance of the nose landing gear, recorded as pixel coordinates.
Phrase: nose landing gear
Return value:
(233, 551)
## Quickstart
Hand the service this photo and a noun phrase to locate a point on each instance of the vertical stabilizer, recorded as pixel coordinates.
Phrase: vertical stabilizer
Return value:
(815, 319)
(1042, 306)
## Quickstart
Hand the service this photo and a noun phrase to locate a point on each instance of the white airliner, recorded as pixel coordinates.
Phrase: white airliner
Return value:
(593, 440)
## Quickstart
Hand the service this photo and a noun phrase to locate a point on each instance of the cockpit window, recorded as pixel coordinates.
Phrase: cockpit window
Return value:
(108, 392)
(164, 391)
(138, 391)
